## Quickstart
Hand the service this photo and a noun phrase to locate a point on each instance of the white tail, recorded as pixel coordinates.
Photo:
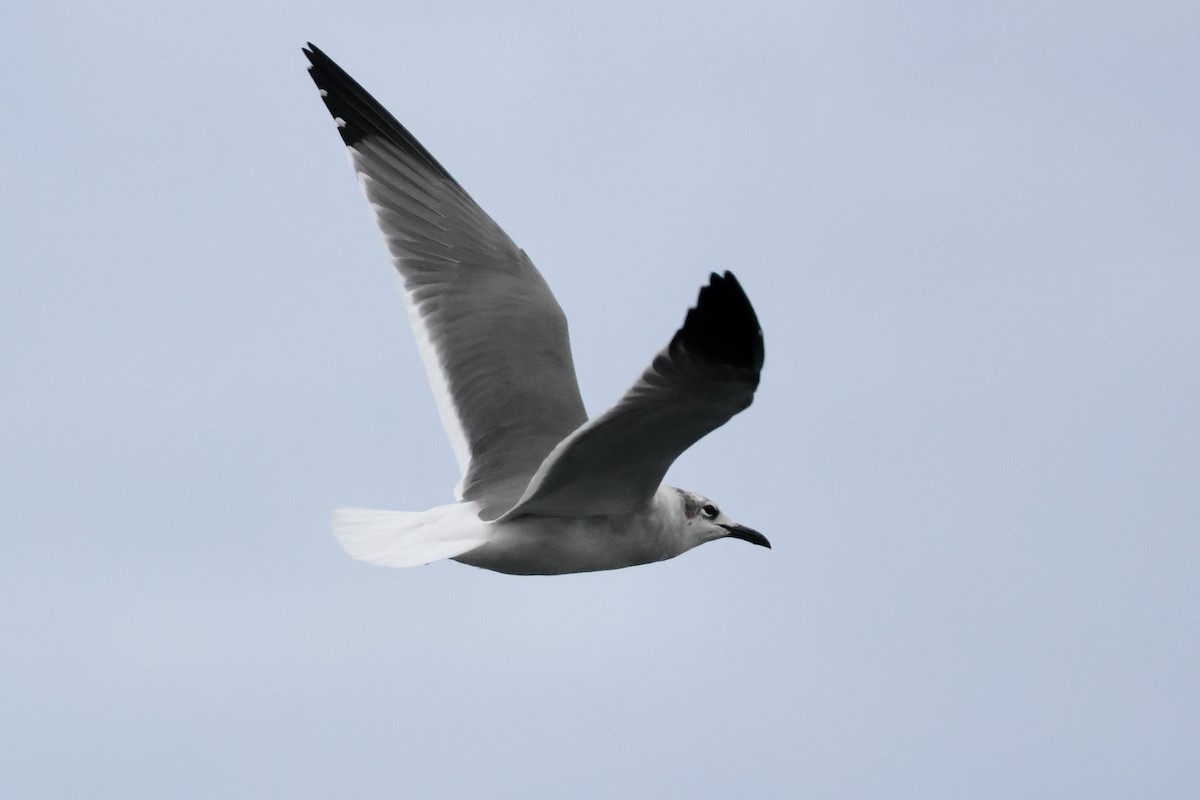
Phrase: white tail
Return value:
(409, 538)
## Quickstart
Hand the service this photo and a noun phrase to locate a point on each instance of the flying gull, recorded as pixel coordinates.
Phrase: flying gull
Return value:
(544, 489)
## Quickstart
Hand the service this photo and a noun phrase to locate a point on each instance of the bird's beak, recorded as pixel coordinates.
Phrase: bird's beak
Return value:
(747, 535)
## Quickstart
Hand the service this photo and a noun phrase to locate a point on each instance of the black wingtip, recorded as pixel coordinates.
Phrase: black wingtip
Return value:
(723, 328)
(358, 114)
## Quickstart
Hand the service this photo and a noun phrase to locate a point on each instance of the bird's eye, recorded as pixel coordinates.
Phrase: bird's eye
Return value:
(710, 511)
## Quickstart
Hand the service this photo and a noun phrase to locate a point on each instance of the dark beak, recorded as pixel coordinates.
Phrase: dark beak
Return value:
(747, 535)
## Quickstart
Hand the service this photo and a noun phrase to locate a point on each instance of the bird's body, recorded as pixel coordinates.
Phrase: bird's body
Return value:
(544, 489)
(531, 544)
(534, 545)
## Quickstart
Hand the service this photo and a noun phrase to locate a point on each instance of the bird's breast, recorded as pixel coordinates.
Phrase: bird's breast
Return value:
(558, 545)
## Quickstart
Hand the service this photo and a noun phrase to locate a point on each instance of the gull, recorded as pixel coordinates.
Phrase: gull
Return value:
(544, 490)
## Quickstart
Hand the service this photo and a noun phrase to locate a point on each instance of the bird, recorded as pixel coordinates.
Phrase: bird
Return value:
(545, 490)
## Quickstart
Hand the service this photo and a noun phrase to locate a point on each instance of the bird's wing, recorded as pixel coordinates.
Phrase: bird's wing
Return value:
(492, 336)
(615, 463)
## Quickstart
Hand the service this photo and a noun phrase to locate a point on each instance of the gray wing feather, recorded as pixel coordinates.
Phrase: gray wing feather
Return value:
(616, 462)
(493, 338)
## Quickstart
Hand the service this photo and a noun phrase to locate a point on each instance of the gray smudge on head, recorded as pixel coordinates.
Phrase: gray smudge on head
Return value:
(691, 503)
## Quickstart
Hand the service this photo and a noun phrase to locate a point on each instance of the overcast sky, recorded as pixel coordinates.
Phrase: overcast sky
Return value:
(972, 236)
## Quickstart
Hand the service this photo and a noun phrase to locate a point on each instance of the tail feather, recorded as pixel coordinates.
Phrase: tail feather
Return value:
(408, 538)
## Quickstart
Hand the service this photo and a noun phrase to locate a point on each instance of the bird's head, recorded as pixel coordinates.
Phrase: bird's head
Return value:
(703, 521)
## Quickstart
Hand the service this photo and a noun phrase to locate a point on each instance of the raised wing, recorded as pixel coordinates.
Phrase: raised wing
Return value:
(492, 336)
(615, 463)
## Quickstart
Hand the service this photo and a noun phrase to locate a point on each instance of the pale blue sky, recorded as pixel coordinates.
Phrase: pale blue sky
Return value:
(972, 235)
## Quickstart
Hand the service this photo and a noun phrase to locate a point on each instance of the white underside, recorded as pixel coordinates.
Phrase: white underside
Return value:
(530, 545)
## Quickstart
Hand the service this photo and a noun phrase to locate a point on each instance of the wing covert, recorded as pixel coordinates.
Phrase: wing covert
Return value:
(491, 334)
(615, 463)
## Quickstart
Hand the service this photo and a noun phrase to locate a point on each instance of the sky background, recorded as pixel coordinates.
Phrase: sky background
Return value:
(972, 236)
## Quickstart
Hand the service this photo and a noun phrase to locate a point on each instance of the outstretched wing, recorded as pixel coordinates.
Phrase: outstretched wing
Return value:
(615, 463)
(492, 336)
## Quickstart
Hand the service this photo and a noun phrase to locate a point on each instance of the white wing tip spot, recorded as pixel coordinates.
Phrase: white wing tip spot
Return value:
(324, 93)
(341, 123)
